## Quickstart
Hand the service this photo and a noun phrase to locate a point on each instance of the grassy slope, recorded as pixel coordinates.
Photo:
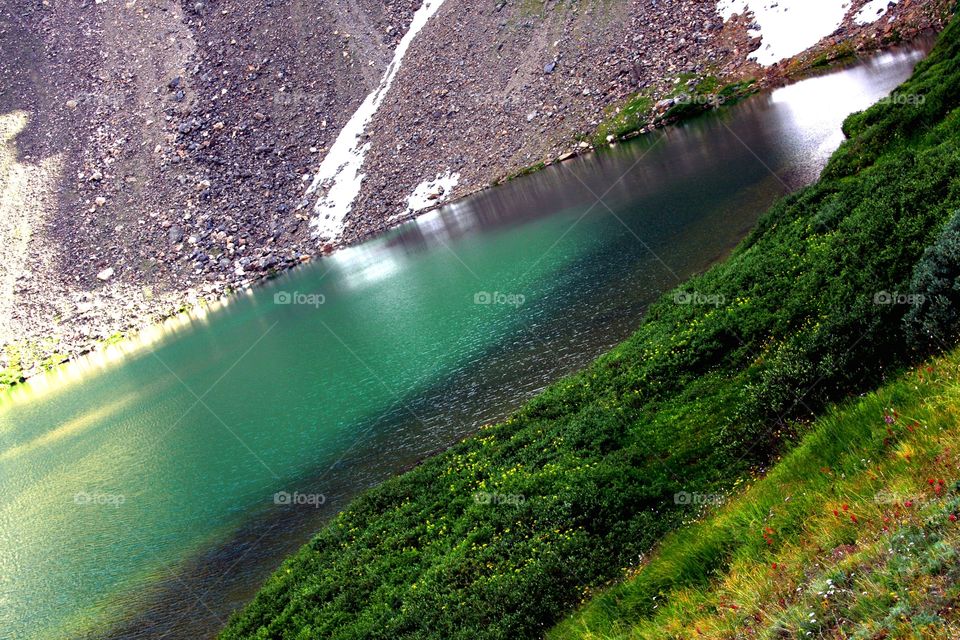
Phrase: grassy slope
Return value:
(850, 536)
(694, 401)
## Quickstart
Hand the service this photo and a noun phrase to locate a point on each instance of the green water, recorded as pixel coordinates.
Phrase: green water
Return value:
(138, 498)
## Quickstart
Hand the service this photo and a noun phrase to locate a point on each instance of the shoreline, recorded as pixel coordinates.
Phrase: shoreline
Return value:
(819, 60)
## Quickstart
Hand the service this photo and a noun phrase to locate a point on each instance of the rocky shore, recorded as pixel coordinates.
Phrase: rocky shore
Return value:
(154, 153)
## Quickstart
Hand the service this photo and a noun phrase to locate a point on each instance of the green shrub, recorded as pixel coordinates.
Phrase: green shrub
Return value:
(933, 319)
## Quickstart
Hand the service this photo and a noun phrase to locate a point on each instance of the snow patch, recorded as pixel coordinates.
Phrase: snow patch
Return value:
(431, 192)
(873, 11)
(787, 27)
(339, 177)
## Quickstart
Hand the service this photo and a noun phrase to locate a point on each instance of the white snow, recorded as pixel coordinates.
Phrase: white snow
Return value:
(431, 192)
(339, 177)
(787, 27)
(873, 11)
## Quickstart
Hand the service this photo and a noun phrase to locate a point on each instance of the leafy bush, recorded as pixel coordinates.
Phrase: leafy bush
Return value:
(934, 319)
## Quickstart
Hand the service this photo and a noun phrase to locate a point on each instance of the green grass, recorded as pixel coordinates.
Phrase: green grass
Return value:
(20, 356)
(524, 172)
(844, 51)
(634, 113)
(637, 111)
(114, 338)
(699, 398)
(12, 374)
(849, 536)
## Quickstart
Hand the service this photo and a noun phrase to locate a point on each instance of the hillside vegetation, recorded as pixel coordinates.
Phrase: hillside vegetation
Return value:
(853, 535)
(503, 534)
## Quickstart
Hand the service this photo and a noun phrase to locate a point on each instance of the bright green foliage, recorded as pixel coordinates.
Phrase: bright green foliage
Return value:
(854, 534)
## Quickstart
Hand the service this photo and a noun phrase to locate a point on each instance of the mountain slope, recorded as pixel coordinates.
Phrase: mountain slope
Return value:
(854, 534)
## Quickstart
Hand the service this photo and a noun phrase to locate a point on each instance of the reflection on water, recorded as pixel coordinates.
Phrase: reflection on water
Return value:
(333, 377)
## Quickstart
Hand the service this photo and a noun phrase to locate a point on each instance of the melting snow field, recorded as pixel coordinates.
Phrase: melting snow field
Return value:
(339, 177)
(789, 27)
(873, 10)
(430, 192)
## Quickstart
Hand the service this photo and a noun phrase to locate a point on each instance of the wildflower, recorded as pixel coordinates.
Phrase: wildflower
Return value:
(846, 507)
(908, 504)
(952, 518)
